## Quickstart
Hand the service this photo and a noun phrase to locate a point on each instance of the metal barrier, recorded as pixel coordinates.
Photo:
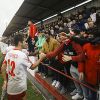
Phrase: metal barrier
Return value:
(70, 77)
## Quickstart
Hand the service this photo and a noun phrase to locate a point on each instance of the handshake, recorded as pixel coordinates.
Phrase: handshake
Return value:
(65, 58)
(42, 56)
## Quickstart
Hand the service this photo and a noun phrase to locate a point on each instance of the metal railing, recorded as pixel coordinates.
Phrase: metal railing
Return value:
(85, 85)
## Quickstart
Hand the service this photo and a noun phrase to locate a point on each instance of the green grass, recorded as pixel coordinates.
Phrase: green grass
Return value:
(32, 93)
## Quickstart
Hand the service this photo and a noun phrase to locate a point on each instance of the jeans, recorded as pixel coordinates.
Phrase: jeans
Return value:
(80, 89)
(91, 94)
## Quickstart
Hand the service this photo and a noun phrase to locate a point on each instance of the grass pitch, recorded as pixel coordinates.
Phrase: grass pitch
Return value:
(32, 92)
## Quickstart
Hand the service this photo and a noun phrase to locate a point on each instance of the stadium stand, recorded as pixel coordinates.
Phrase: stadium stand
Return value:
(70, 69)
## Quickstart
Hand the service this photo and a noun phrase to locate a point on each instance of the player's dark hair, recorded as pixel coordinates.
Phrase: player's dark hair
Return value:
(18, 38)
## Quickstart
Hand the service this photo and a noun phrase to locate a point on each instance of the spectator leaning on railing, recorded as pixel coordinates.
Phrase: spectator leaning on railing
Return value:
(73, 53)
(49, 45)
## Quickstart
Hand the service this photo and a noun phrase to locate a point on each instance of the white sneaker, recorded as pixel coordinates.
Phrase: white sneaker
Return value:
(85, 99)
(54, 83)
(76, 97)
(57, 85)
(73, 92)
(44, 77)
(63, 90)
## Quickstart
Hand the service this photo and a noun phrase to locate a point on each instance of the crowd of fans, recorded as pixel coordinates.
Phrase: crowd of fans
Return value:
(82, 20)
(72, 46)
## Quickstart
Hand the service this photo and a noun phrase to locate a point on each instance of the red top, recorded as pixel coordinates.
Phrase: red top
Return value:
(77, 48)
(32, 30)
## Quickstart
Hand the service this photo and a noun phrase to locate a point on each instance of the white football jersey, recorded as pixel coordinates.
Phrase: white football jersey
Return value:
(9, 48)
(25, 51)
(17, 63)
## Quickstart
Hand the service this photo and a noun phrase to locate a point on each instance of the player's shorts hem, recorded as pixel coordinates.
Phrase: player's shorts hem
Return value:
(17, 97)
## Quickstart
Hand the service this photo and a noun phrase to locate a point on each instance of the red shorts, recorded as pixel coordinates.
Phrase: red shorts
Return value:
(17, 97)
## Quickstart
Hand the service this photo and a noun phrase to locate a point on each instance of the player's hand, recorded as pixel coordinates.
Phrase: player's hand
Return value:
(66, 58)
(36, 64)
(81, 76)
(42, 56)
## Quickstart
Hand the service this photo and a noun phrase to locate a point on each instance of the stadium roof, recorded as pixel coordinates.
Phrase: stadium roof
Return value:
(37, 10)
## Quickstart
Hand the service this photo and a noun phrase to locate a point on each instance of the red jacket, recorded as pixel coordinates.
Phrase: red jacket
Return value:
(91, 66)
(77, 47)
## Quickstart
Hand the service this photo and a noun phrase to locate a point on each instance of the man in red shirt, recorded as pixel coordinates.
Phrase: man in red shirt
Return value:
(32, 36)
(32, 29)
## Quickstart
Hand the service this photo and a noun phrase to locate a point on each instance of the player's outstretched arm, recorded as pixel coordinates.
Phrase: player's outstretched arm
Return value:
(42, 57)
(35, 64)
